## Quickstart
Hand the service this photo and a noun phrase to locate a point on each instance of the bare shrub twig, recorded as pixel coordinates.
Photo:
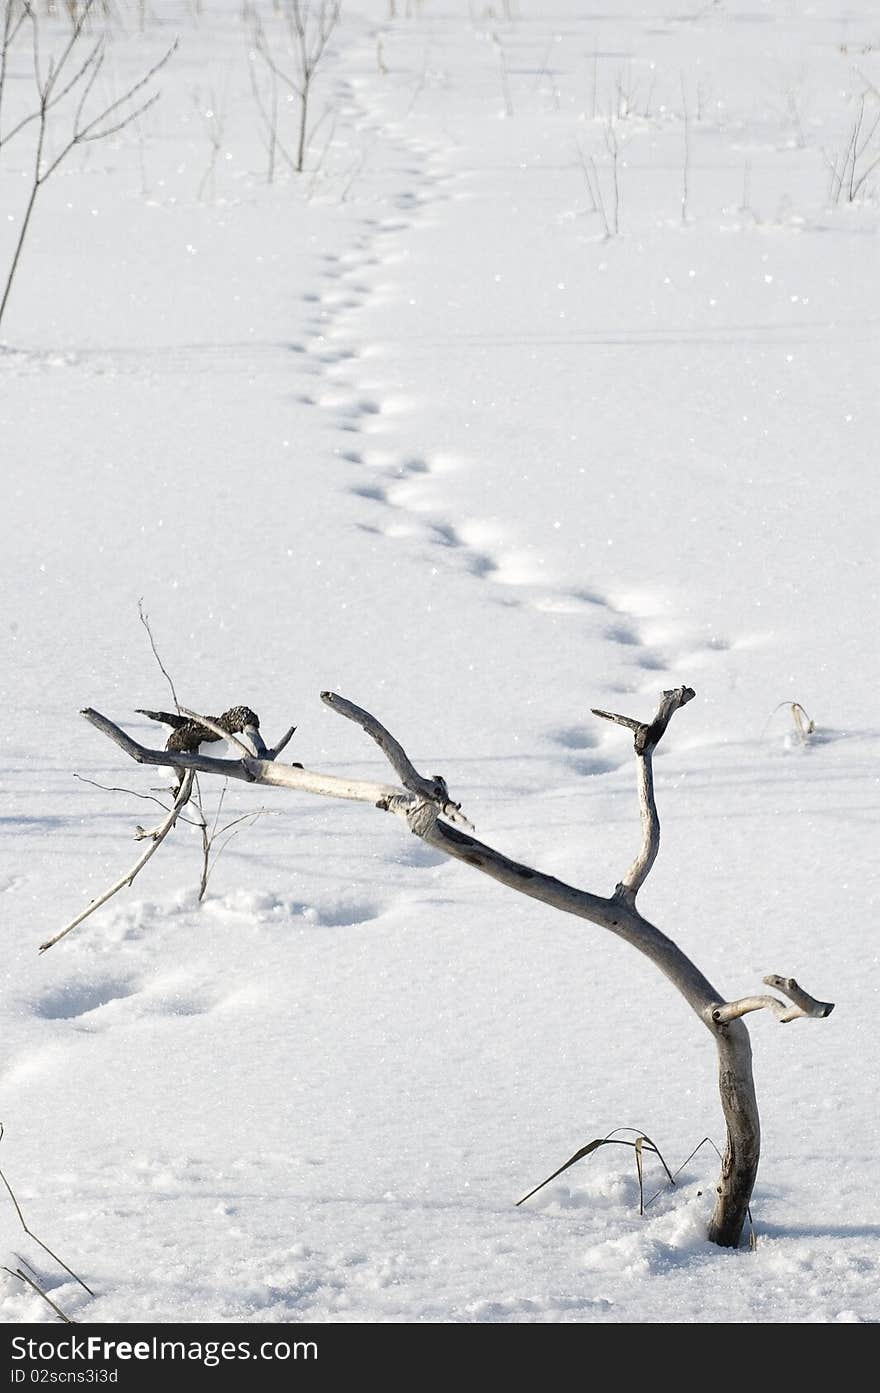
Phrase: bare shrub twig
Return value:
(63, 114)
(45, 1247)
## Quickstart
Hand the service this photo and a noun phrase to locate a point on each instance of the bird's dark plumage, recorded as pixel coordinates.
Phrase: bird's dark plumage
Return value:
(187, 735)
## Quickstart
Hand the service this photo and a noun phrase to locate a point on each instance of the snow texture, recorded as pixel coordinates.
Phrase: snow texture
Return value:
(411, 427)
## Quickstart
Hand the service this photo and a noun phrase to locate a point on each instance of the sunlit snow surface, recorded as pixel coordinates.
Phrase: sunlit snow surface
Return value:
(412, 428)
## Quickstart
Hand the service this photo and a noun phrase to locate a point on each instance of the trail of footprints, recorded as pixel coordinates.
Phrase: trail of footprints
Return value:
(402, 491)
(92, 1001)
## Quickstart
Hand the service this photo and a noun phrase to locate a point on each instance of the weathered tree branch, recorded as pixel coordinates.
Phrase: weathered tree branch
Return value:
(178, 759)
(276, 750)
(646, 738)
(420, 801)
(253, 768)
(250, 769)
(433, 790)
(803, 1003)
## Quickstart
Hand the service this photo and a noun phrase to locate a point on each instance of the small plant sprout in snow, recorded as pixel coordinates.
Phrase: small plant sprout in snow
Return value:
(803, 726)
(31, 1277)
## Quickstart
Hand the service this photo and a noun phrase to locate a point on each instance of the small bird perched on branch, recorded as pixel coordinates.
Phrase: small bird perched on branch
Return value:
(187, 735)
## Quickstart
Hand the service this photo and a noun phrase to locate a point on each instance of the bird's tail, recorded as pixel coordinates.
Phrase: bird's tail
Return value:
(166, 718)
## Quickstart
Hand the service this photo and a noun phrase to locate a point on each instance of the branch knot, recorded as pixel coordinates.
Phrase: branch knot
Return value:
(421, 816)
(647, 734)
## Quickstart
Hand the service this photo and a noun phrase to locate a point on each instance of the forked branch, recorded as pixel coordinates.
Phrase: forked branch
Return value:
(802, 1003)
(646, 737)
(433, 791)
(424, 802)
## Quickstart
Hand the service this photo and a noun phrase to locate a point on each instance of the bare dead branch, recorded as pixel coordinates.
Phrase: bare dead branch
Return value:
(269, 118)
(129, 119)
(852, 166)
(174, 759)
(282, 743)
(301, 780)
(613, 148)
(251, 770)
(56, 65)
(13, 20)
(434, 789)
(802, 1003)
(420, 801)
(805, 1003)
(648, 734)
(627, 721)
(145, 620)
(235, 825)
(89, 75)
(125, 98)
(646, 737)
(309, 28)
(49, 97)
(635, 877)
(686, 163)
(118, 788)
(261, 44)
(68, 75)
(157, 836)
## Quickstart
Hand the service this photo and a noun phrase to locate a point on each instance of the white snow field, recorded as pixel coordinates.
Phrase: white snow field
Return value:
(413, 426)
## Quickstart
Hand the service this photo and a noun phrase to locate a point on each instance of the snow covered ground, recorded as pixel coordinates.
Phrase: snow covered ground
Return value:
(412, 427)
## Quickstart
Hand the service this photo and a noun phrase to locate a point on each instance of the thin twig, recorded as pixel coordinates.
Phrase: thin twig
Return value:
(685, 179)
(244, 818)
(223, 793)
(678, 1172)
(45, 1247)
(145, 620)
(184, 794)
(133, 793)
